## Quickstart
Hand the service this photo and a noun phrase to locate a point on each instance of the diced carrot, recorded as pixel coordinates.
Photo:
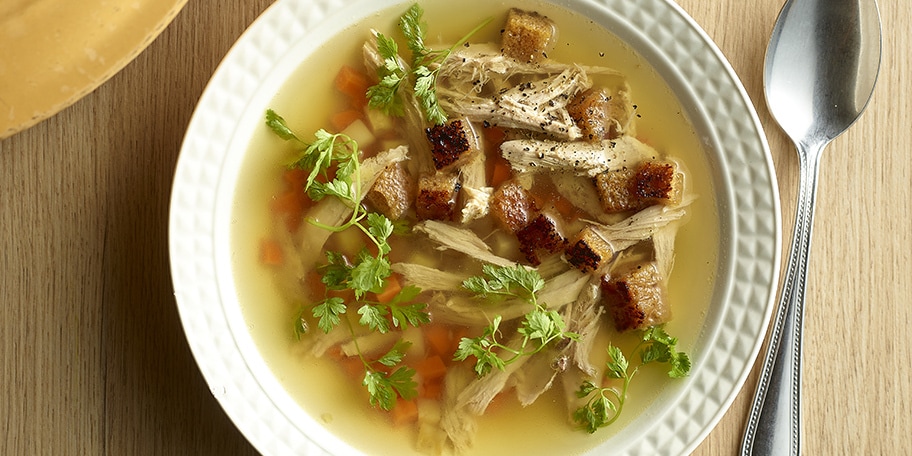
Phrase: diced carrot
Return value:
(289, 206)
(313, 286)
(393, 287)
(271, 252)
(495, 136)
(456, 335)
(335, 352)
(405, 412)
(431, 368)
(341, 120)
(438, 338)
(501, 172)
(566, 208)
(354, 84)
(353, 367)
(432, 389)
(295, 178)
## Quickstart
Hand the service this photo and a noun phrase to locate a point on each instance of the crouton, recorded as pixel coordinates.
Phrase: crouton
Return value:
(527, 36)
(541, 234)
(588, 251)
(650, 182)
(512, 206)
(636, 297)
(452, 143)
(393, 192)
(437, 196)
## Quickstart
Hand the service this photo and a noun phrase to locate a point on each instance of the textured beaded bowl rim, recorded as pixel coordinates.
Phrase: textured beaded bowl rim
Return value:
(661, 32)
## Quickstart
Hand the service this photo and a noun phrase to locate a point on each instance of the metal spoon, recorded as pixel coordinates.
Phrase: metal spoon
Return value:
(820, 70)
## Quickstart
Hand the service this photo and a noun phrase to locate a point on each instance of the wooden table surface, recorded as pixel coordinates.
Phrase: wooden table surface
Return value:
(92, 356)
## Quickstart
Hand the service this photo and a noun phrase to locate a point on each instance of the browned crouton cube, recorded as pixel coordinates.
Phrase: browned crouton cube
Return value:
(512, 206)
(588, 251)
(394, 191)
(527, 36)
(650, 182)
(614, 190)
(452, 143)
(541, 234)
(436, 199)
(636, 297)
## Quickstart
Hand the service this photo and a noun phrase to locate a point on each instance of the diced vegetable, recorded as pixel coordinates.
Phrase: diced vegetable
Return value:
(439, 338)
(353, 84)
(289, 205)
(358, 131)
(405, 412)
(393, 287)
(431, 368)
(271, 252)
(343, 119)
(500, 172)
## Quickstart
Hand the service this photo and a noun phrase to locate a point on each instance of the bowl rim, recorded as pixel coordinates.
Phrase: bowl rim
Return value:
(237, 374)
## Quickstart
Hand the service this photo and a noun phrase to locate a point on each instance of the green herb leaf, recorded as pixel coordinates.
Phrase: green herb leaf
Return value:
(380, 228)
(659, 346)
(396, 354)
(542, 325)
(278, 125)
(385, 95)
(414, 31)
(585, 389)
(617, 363)
(402, 380)
(597, 413)
(505, 281)
(336, 273)
(680, 365)
(479, 347)
(383, 388)
(380, 389)
(369, 274)
(426, 93)
(374, 317)
(605, 405)
(414, 314)
(539, 324)
(329, 312)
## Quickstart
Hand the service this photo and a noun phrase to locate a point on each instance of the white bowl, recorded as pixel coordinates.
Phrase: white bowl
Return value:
(271, 51)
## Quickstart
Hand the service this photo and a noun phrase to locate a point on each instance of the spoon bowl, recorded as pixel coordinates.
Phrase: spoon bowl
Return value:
(820, 71)
(821, 66)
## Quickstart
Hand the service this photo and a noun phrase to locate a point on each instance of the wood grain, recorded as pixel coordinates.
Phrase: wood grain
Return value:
(92, 355)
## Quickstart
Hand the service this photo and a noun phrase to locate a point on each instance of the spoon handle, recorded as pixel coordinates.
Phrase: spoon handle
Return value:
(774, 424)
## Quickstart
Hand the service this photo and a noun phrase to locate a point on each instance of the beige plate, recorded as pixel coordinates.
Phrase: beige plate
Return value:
(54, 52)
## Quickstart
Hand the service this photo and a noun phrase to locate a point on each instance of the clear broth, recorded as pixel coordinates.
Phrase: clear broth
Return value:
(306, 100)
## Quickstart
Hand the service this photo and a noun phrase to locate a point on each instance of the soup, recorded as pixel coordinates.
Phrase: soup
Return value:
(273, 298)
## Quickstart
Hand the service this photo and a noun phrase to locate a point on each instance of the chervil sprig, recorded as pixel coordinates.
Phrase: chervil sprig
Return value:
(368, 272)
(317, 157)
(517, 282)
(425, 68)
(392, 73)
(384, 387)
(539, 328)
(606, 402)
